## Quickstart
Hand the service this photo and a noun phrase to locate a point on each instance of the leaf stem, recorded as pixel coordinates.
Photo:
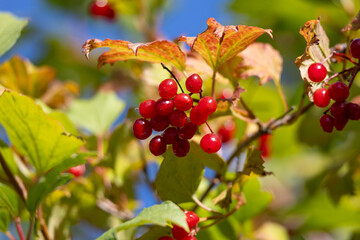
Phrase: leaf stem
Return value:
(213, 84)
(100, 146)
(209, 127)
(43, 227)
(167, 69)
(200, 204)
(19, 228)
(9, 235)
(31, 225)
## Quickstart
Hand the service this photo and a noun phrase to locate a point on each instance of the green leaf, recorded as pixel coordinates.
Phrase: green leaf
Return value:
(9, 199)
(4, 219)
(34, 134)
(254, 162)
(155, 233)
(164, 214)
(178, 178)
(8, 156)
(98, 113)
(49, 182)
(256, 200)
(10, 29)
(213, 161)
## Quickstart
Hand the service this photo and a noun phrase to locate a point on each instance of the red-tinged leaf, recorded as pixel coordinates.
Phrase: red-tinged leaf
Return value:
(220, 43)
(317, 50)
(263, 61)
(156, 52)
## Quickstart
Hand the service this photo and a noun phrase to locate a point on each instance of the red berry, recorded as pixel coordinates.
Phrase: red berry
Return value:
(147, 108)
(338, 109)
(207, 105)
(178, 118)
(227, 131)
(355, 48)
(166, 238)
(188, 131)
(159, 123)
(183, 101)
(170, 135)
(196, 117)
(265, 145)
(338, 91)
(157, 145)
(353, 111)
(179, 233)
(189, 238)
(168, 88)
(340, 122)
(164, 106)
(191, 218)
(181, 147)
(317, 72)
(321, 97)
(210, 143)
(142, 129)
(194, 83)
(226, 93)
(102, 8)
(327, 123)
(77, 171)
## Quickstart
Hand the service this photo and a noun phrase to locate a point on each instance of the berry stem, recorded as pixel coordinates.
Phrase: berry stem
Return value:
(355, 71)
(326, 81)
(163, 65)
(344, 56)
(209, 127)
(327, 58)
(19, 228)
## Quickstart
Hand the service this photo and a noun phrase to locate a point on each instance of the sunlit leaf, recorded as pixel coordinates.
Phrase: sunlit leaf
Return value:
(220, 43)
(34, 134)
(254, 162)
(8, 156)
(10, 29)
(256, 200)
(22, 76)
(49, 182)
(317, 50)
(213, 161)
(9, 199)
(179, 177)
(164, 214)
(263, 61)
(4, 219)
(97, 113)
(156, 52)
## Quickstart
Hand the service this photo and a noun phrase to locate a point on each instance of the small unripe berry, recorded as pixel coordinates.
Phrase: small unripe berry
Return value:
(194, 83)
(338, 91)
(168, 89)
(321, 97)
(317, 72)
(210, 143)
(355, 48)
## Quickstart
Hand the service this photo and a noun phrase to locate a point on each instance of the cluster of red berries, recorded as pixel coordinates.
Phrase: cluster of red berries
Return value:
(340, 111)
(102, 8)
(171, 109)
(179, 233)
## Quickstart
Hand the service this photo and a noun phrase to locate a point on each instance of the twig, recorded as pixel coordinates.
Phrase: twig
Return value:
(43, 227)
(200, 204)
(31, 225)
(108, 206)
(163, 65)
(213, 84)
(355, 71)
(11, 178)
(19, 228)
(9, 235)
(346, 57)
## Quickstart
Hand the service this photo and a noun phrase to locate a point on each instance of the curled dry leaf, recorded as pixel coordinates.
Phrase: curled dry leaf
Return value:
(354, 24)
(220, 43)
(317, 50)
(156, 52)
(263, 61)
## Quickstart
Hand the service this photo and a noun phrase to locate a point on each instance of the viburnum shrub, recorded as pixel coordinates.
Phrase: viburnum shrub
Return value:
(204, 130)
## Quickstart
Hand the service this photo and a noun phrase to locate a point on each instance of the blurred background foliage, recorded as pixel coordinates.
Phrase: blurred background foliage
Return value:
(315, 189)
